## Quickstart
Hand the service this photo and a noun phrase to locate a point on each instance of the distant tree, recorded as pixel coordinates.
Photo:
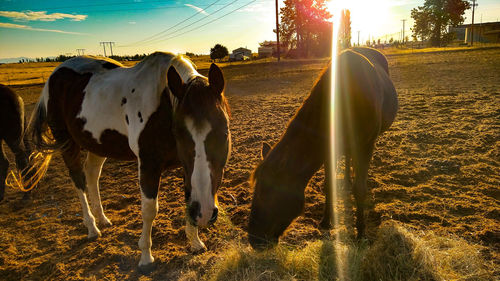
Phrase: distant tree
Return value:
(218, 52)
(391, 40)
(189, 54)
(305, 28)
(345, 29)
(378, 41)
(434, 17)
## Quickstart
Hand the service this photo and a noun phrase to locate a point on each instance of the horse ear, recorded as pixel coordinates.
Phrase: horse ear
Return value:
(175, 83)
(216, 79)
(265, 150)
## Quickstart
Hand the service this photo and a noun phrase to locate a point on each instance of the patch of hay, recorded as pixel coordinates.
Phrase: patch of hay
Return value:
(396, 253)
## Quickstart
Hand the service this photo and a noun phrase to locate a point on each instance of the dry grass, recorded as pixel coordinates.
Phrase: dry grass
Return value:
(397, 253)
(403, 51)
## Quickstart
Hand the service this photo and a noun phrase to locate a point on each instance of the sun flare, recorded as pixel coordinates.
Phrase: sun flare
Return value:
(369, 17)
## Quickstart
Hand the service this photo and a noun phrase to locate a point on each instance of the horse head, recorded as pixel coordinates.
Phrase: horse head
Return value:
(277, 201)
(203, 140)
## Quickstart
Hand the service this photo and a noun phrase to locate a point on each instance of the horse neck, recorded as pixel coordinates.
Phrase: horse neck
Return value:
(185, 68)
(302, 149)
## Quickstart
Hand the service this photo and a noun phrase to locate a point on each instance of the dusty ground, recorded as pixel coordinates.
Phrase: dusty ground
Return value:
(437, 168)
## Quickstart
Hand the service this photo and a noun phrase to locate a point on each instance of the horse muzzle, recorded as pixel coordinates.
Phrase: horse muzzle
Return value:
(196, 218)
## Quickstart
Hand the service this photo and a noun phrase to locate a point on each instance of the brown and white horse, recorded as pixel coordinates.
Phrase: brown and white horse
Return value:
(161, 112)
(366, 105)
(12, 133)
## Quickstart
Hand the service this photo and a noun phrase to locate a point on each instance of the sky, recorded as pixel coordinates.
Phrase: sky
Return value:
(34, 28)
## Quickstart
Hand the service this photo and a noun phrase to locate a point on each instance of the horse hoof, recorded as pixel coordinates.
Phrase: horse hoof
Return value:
(105, 222)
(146, 269)
(199, 249)
(93, 235)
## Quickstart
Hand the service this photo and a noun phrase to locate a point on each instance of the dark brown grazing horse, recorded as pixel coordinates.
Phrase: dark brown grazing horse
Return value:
(161, 112)
(366, 105)
(12, 132)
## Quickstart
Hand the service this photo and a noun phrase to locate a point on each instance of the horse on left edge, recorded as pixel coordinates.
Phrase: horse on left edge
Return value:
(12, 132)
(160, 112)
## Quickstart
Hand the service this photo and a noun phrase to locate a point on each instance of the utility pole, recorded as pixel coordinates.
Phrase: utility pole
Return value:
(111, 47)
(358, 38)
(472, 25)
(403, 20)
(81, 50)
(277, 31)
(110, 44)
(104, 47)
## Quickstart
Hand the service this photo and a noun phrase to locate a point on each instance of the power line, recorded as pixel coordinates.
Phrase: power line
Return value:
(179, 29)
(81, 50)
(177, 24)
(198, 27)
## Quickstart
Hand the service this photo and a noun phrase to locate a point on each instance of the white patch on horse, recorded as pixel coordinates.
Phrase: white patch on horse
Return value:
(92, 169)
(88, 218)
(149, 207)
(201, 184)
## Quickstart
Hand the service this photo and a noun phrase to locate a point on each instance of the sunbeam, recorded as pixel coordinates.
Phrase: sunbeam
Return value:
(336, 12)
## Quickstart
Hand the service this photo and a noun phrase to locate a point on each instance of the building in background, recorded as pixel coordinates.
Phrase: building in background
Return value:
(240, 54)
(488, 32)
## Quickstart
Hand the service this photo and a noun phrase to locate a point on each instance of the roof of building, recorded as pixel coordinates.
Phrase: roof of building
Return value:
(478, 24)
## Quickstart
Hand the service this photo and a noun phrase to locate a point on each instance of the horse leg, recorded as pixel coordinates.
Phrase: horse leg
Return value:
(194, 240)
(17, 147)
(347, 193)
(149, 180)
(4, 167)
(92, 169)
(361, 165)
(326, 221)
(71, 156)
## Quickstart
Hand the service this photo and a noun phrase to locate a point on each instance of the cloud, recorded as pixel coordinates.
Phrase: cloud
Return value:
(26, 27)
(196, 8)
(41, 16)
(132, 22)
(257, 7)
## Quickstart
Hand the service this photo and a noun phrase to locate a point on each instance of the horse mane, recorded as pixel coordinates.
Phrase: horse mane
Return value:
(185, 67)
(188, 72)
(304, 123)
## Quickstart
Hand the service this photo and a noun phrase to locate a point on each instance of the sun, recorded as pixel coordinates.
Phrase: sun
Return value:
(366, 16)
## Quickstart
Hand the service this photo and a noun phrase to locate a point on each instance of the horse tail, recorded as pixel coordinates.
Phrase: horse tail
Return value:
(40, 145)
(38, 130)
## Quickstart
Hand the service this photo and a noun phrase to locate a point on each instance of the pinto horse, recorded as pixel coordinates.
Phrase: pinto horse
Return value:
(366, 105)
(12, 132)
(161, 112)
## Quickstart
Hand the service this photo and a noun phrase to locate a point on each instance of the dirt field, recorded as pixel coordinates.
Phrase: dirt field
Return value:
(437, 168)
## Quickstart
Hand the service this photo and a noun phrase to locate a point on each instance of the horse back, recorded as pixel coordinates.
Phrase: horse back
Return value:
(67, 91)
(367, 98)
